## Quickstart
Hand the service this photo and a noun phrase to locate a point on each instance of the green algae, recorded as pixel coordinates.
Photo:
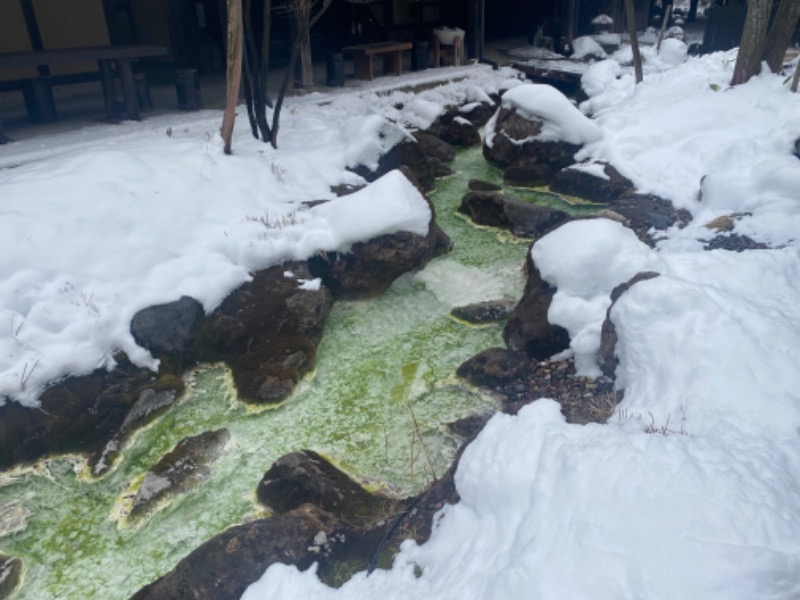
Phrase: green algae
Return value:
(377, 403)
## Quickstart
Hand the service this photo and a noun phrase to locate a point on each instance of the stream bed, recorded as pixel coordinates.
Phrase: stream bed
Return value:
(382, 364)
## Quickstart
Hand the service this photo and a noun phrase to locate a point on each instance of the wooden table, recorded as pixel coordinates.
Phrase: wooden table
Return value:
(392, 57)
(105, 56)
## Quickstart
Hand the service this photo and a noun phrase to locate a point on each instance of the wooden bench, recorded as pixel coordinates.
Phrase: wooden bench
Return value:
(392, 53)
(37, 91)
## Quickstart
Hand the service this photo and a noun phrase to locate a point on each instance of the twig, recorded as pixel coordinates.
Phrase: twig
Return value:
(26, 374)
(422, 441)
(663, 27)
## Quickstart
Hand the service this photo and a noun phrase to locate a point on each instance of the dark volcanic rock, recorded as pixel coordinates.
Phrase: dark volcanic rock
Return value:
(521, 218)
(456, 130)
(576, 181)
(406, 153)
(476, 185)
(527, 329)
(514, 139)
(645, 211)
(170, 329)
(268, 330)
(528, 172)
(734, 242)
(434, 147)
(477, 113)
(10, 575)
(606, 357)
(223, 567)
(370, 267)
(470, 425)
(306, 477)
(484, 312)
(79, 414)
(152, 402)
(494, 367)
(183, 468)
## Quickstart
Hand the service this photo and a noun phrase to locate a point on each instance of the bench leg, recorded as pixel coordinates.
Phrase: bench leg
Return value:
(129, 90)
(109, 94)
(393, 63)
(39, 102)
(363, 66)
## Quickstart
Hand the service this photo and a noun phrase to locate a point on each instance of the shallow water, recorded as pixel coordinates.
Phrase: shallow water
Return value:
(382, 364)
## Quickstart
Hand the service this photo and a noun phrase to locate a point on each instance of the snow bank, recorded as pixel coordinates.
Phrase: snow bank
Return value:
(690, 491)
(585, 46)
(367, 138)
(562, 121)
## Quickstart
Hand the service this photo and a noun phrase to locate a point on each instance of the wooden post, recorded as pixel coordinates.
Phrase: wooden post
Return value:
(637, 57)
(234, 71)
(795, 78)
(667, 13)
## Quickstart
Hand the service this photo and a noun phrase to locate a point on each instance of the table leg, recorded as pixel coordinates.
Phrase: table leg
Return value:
(129, 90)
(109, 95)
(393, 63)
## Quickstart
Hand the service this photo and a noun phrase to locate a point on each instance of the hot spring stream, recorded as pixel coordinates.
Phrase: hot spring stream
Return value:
(379, 361)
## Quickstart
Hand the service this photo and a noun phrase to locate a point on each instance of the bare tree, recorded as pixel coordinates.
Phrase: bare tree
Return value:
(780, 33)
(234, 71)
(754, 36)
(637, 57)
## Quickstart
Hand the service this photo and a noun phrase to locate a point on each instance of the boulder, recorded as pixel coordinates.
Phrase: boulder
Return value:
(646, 211)
(306, 477)
(80, 414)
(496, 367)
(151, 403)
(477, 113)
(170, 330)
(515, 137)
(477, 185)
(434, 147)
(10, 575)
(484, 312)
(370, 267)
(181, 469)
(456, 130)
(406, 153)
(268, 330)
(598, 182)
(223, 567)
(523, 219)
(528, 172)
(606, 357)
(528, 329)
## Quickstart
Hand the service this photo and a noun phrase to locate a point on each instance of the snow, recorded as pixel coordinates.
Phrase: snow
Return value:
(594, 169)
(562, 121)
(689, 491)
(585, 46)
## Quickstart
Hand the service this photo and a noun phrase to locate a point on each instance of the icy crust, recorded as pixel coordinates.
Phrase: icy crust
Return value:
(562, 121)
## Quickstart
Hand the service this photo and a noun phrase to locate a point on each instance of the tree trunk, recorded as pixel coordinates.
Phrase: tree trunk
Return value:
(796, 78)
(692, 16)
(780, 33)
(637, 57)
(571, 14)
(664, 22)
(234, 71)
(751, 48)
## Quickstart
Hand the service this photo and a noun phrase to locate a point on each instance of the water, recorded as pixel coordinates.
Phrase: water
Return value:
(382, 364)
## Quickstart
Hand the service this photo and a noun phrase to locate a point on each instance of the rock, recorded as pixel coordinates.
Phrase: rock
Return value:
(440, 169)
(528, 329)
(515, 140)
(583, 182)
(370, 267)
(721, 224)
(434, 147)
(646, 211)
(456, 130)
(406, 153)
(170, 329)
(477, 113)
(268, 330)
(10, 575)
(476, 185)
(223, 567)
(183, 468)
(152, 403)
(13, 518)
(528, 172)
(306, 477)
(734, 242)
(80, 414)
(523, 219)
(495, 367)
(484, 312)
(470, 425)
(606, 357)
